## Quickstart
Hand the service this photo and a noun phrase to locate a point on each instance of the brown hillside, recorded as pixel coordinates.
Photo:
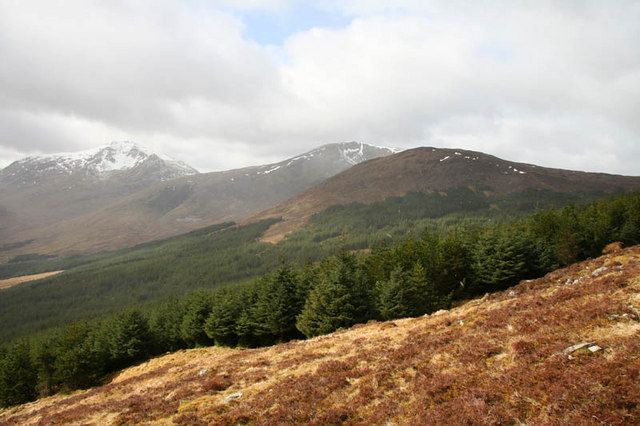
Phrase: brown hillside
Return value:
(427, 170)
(60, 220)
(502, 359)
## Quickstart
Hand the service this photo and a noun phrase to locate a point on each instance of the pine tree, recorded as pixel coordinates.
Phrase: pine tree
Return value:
(277, 306)
(245, 329)
(81, 356)
(44, 360)
(451, 266)
(130, 339)
(165, 323)
(18, 376)
(427, 297)
(197, 311)
(408, 294)
(222, 321)
(307, 280)
(394, 296)
(339, 300)
(630, 229)
(500, 260)
(248, 334)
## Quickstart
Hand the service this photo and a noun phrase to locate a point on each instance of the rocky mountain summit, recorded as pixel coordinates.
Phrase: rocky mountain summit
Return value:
(102, 162)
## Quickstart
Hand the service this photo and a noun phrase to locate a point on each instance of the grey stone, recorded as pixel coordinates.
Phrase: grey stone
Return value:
(599, 271)
(572, 349)
(232, 396)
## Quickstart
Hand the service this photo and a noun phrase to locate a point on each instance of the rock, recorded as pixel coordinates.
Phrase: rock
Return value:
(572, 349)
(599, 271)
(512, 293)
(232, 396)
(203, 372)
(591, 346)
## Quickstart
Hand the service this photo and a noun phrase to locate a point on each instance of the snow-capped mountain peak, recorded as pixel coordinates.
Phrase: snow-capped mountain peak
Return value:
(353, 155)
(118, 156)
(335, 156)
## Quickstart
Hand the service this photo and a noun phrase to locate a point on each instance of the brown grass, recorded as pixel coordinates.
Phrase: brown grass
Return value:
(496, 360)
(10, 282)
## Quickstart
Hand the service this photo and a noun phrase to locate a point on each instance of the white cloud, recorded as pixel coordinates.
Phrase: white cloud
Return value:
(556, 84)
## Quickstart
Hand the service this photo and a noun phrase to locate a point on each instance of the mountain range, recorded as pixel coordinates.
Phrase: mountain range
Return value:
(121, 195)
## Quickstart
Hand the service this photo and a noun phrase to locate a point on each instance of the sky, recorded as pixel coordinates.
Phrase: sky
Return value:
(225, 84)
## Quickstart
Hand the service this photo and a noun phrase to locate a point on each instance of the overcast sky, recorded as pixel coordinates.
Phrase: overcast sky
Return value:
(223, 84)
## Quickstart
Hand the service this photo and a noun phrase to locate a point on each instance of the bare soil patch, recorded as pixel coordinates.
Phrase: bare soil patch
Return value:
(10, 282)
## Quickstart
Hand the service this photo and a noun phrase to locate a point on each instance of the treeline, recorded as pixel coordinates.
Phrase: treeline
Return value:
(410, 278)
(103, 283)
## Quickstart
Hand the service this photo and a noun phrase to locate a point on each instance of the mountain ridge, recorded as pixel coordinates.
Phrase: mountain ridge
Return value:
(173, 206)
(116, 156)
(426, 170)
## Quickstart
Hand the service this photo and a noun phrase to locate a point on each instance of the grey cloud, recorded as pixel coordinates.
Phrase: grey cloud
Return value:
(556, 84)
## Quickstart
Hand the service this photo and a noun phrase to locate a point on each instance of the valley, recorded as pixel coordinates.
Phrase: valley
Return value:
(391, 198)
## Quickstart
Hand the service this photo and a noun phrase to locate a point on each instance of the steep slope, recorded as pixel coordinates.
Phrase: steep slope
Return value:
(175, 206)
(428, 170)
(562, 349)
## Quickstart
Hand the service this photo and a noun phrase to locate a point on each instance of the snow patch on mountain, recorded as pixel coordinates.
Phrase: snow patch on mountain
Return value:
(350, 153)
(353, 155)
(117, 156)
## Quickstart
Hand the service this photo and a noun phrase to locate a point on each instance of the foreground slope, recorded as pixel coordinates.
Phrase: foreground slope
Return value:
(428, 170)
(505, 358)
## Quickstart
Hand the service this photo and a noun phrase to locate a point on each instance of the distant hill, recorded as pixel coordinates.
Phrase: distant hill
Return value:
(97, 204)
(433, 170)
(37, 192)
(562, 349)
